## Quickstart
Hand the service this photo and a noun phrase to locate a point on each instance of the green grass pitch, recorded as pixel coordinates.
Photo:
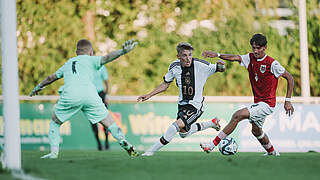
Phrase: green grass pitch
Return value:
(113, 165)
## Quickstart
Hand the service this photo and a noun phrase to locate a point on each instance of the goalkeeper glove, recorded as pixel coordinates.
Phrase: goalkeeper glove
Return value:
(128, 46)
(36, 90)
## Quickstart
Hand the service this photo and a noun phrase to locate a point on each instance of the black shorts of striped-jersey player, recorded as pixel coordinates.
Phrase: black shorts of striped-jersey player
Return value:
(188, 114)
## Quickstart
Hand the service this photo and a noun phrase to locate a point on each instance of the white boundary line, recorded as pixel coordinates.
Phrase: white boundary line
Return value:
(211, 99)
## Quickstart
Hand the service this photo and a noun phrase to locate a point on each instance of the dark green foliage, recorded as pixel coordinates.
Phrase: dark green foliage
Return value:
(49, 30)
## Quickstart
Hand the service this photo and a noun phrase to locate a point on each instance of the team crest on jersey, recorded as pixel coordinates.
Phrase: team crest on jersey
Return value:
(263, 68)
(187, 80)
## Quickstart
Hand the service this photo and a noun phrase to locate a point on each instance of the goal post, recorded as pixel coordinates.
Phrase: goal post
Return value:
(11, 155)
(304, 59)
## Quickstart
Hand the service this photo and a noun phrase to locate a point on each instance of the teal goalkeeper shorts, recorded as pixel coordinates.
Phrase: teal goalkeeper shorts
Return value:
(92, 107)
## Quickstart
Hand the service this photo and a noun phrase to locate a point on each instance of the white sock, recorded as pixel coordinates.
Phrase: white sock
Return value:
(55, 149)
(166, 138)
(206, 125)
(156, 146)
(171, 131)
(193, 129)
(196, 127)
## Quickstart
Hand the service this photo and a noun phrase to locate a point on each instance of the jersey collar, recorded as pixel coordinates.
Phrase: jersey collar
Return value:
(262, 58)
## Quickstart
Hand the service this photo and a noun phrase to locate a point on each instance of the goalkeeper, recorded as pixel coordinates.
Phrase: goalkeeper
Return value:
(79, 94)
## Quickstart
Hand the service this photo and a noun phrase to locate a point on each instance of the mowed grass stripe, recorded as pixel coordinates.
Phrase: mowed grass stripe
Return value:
(169, 165)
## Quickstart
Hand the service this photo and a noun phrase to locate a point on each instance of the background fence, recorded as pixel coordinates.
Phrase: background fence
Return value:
(144, 123)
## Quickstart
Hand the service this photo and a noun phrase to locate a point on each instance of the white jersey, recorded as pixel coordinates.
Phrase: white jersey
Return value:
(190, 80)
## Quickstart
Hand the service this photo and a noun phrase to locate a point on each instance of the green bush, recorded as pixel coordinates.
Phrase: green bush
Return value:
(48, 32)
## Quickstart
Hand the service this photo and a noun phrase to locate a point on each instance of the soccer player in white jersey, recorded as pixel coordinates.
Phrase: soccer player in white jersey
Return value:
(264, 73)
(80, 94)
(191, 75)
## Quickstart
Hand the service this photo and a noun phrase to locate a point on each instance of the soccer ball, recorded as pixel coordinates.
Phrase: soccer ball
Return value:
(228, 146)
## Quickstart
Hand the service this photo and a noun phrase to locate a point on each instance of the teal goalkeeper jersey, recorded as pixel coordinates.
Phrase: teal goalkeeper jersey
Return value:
(78, 73)
(99, 77)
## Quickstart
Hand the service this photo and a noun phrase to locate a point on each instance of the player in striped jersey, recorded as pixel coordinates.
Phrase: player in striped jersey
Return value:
(191, 75)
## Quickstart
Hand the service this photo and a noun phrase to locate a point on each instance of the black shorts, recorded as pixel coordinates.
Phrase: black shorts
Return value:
(188, 114)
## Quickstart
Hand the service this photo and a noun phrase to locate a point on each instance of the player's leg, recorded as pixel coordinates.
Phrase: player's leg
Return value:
(117, 133)
(96, 135)
(236, 118)
(200, 126)
(54, 137)
(114, 129)
(213, 123)
(258, 114)
(187, 115)
(264, 140)
(102, 95)
(166, 138)
(64, 110)
(96, 112)
(106, 145)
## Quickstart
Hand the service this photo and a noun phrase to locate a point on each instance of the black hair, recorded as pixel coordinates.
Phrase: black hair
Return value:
(259, 40)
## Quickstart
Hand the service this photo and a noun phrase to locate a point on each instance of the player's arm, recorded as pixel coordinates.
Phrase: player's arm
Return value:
(162, 87)
(228, 57)
(290, 85)
(126, 47)
(50, 79)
